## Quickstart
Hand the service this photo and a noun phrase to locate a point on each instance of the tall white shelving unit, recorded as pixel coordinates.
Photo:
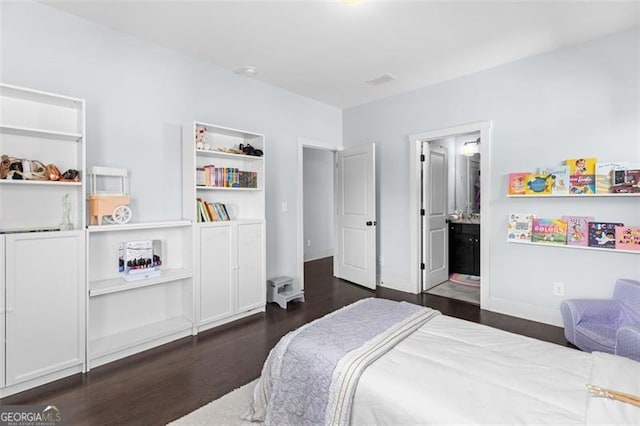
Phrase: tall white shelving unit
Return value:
(229, 256)
(42, 274)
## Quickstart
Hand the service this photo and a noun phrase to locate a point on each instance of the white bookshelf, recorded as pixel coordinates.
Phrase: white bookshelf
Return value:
(575, 195)
(126, 317)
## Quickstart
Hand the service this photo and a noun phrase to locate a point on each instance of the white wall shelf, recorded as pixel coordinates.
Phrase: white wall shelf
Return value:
(39, 133)
(137, 336)
(138, 226)
(574, 247)
(576, 195)
(209, 153)
(38, 182)
(222, 188)
(115, 285)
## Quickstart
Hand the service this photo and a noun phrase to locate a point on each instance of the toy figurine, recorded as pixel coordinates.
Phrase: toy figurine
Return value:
(66, 224)
(114, 206)
(201, 136)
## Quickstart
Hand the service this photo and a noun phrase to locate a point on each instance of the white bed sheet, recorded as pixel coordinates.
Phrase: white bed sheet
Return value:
(452, 371)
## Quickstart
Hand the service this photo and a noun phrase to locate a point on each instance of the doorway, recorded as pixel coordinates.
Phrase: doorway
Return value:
(447, 193)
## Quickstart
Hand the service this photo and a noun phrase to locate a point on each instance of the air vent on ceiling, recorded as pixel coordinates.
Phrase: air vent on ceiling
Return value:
(384, 78)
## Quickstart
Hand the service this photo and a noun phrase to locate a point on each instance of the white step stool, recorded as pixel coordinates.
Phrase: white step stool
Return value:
(280, 290)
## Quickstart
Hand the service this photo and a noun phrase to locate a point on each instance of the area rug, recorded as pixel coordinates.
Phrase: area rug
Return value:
(224, 411)
(456, 291)
(464, 279)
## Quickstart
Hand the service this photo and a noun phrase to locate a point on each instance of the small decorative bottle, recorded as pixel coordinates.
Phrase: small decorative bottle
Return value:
(66, 224)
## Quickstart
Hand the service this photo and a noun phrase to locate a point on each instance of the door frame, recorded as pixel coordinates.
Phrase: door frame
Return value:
(484, 127)
(314, 144)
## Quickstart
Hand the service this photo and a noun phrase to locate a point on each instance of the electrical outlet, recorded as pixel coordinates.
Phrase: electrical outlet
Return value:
(308, 243)
(558, 289)
(380, 260)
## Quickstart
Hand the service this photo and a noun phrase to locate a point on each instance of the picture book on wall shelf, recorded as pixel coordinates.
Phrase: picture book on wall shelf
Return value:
(517, 183)
(559, 176)
(604, 175)
(578, 230)
(603, 234)
(628, 238)
(582, 175)
(537, 184)
(519, 228)
(549, 231)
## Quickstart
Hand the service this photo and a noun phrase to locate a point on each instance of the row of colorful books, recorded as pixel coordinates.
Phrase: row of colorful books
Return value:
(574, 231)
(225, 177)
(211, 212)
(578, 176)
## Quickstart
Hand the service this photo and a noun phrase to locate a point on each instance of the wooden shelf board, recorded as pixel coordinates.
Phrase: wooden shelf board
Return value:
(221, 188)
(38, 182)
(574, 247)
(637, 194)
(39, 133)
(137, 336)
(115, 285)
(138, 226)
(219, 154)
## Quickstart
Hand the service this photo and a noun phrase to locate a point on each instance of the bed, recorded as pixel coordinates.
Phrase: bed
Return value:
(425, 368)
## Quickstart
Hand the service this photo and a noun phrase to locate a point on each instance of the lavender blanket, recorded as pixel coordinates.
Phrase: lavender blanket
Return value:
(310, 377)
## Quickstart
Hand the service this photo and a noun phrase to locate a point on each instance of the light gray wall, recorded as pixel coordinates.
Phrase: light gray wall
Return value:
(140, 94)
(318, 203)
(578, 101)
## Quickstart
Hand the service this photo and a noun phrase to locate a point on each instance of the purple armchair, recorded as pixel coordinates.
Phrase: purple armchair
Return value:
(606, 325)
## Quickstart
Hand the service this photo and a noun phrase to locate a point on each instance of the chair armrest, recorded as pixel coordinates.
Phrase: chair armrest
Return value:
(575, 311)
(628, 341)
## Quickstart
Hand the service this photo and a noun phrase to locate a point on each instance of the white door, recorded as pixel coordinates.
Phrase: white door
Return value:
(434, 223)
(356, 215)
(45, 304)
(251, 278)
(217, 272)
(2, 310)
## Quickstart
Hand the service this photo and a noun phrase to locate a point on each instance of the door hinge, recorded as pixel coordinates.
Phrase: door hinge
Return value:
(422, 212)
(422, 158)
(423, 266)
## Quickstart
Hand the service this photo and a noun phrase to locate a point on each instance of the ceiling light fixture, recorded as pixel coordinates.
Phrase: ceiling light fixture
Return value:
(248, 71)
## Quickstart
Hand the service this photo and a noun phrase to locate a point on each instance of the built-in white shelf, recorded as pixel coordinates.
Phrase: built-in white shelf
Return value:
(574, 247)
(223, 222)
(222, 188)
(115, 285)
(138, 336)
(220, 154)
(138, 226)
(636, 194)
(38, 182)
(39, 133)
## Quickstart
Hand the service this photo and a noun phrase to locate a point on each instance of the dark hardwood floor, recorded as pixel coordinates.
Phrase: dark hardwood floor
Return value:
(165, 383)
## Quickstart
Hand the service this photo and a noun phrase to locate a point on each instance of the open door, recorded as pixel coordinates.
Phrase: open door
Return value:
(356, 215)
(435, 267)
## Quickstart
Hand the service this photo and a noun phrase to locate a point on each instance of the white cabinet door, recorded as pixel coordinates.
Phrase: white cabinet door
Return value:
(217, 270)
(44, 303)
(251, 273)
(2, 309)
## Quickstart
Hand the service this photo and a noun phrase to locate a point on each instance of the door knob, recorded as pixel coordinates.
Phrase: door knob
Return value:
(370, 223)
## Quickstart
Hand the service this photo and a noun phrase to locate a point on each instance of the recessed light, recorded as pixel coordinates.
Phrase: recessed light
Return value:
(384, 78)
(248, 71)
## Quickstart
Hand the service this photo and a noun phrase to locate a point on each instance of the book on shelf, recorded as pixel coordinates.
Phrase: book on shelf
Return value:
(519, 227)
(627, 238)
(517, 182)
(604, 175)
(200, 176)
(582, 175)
(578, 230)
(603, 234)
(225, 177)
(211, 212)
(559, 176)
(538, 184)
(549, 231)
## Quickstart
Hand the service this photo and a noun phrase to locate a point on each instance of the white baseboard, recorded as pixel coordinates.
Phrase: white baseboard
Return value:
(524, 310)
(317, 255)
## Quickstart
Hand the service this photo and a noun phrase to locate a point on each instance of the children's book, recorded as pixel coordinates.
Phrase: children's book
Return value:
(537, 184)
(627, 238)
(520, 226)
(559, 176)
(604, 175)
(578, 230)
(549, 231)
(517, 182)
(603, 234)
(582, 175)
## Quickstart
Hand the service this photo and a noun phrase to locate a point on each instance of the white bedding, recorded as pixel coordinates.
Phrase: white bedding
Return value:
(454, 371)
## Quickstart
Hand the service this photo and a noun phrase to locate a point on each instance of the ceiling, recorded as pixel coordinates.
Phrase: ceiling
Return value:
(326, 50)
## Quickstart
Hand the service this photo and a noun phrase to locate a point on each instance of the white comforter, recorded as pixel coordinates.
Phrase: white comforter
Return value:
(454, 371)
